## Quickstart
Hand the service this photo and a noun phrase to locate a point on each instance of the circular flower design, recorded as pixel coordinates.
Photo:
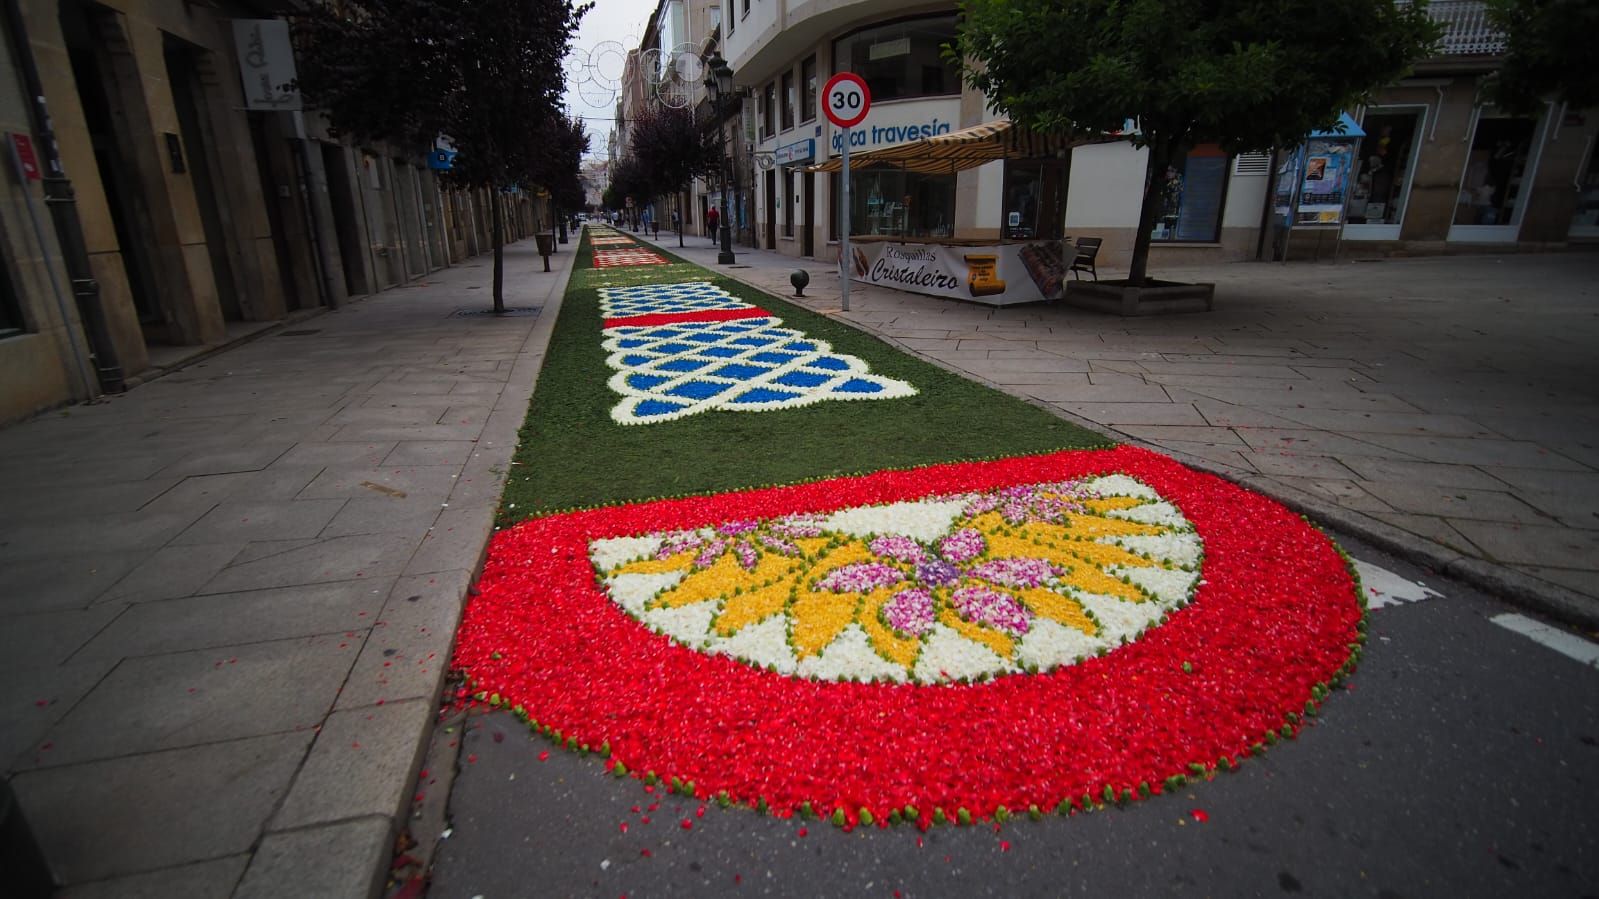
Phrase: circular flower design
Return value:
(1026, 577)
(1272, 618)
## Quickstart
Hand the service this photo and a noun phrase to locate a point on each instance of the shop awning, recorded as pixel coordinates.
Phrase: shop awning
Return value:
(1346, 122)
(967, 148)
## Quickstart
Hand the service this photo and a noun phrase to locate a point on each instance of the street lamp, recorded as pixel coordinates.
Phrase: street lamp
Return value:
(719, 85)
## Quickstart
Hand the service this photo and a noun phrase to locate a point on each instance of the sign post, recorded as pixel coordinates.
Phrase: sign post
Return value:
(846, 102)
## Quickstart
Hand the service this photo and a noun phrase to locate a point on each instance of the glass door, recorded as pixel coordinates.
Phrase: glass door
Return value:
(1585, 220)
(1382, 176)
(1497, 179)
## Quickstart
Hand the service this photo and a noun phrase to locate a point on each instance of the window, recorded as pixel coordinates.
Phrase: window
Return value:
(745, 9)
(1493, 190)
(1034, 191)
(788, 100)
(769, 110)
(901, 59)
(808, 90)
(901, 204)
(1191, 195)
(788, 201)
(1383, 181)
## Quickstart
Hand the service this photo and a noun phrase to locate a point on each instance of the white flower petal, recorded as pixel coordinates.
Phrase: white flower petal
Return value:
(850, 655)
(762, 644)
(948, 656)
(1118, 485)
(1169, 586)
(1049, 644)
(924, 520)
(1183, 549)
(685, 624)
(610, 553)
(632, 591)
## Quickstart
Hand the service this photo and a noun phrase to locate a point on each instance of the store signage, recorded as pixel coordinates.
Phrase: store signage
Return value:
(266, 63)
(898, 122)
(26, 162)
(997, 274)
(798, 151)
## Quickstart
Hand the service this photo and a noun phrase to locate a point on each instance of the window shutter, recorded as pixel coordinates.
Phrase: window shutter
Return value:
(1252, 164)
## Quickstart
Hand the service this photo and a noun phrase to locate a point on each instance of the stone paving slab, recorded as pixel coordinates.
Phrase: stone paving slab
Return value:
(1442, 407)
(233, 590)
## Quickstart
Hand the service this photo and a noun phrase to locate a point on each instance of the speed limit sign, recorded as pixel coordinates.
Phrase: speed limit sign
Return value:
(846, 99)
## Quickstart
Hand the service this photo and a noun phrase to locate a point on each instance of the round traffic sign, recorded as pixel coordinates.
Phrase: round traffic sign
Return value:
(846, 99)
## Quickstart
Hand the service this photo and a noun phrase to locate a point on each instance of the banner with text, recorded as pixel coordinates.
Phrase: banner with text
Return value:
(996, 275)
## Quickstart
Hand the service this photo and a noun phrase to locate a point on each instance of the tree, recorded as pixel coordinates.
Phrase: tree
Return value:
(632, 181)
(485, 73)
(1247, 74)
(1547, 43)
(673, 150)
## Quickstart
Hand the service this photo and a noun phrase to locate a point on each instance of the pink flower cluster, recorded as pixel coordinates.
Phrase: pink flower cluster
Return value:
(897, 546)
(1015, 572)
(909, 611)
(963, 545)
(862, 577)
(992, 608)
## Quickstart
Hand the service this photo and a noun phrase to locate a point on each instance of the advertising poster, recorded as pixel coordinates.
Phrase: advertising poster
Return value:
(994, 275)
(1326, 181)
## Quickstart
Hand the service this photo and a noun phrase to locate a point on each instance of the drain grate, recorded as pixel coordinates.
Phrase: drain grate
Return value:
(510, 312)
(302, 333)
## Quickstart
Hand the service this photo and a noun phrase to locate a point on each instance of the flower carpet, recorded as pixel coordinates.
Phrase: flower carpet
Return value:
(996, 630)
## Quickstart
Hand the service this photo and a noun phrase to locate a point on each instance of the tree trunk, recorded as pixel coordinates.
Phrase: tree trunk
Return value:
(680, 218)
(1160, 156)
(499, 251)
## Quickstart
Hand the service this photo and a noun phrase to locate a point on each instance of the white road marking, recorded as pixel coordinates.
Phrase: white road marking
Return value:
(1569, 645)
(1384, 588)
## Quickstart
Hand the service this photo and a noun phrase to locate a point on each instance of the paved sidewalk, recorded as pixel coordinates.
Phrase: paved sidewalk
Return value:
(1446, 408)
(231, 592)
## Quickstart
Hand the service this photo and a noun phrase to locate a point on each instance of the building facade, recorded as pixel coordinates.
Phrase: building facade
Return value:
(1438, 172)
(203, 211)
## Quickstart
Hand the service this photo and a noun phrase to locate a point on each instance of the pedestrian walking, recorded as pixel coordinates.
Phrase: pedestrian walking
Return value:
(712, 218)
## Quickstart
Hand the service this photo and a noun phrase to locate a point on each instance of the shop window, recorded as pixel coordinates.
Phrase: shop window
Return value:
(788, 100)
(901, 59)
(901, 204)
(769, 110)
(1585, 221)
(10, 310)
(1191, 196)
(1382, 174)
(1492, 190)
(744, 10)
(808, 90)
(1034, 199)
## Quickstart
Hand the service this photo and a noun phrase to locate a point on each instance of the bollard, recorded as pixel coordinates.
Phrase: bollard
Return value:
(799, 279)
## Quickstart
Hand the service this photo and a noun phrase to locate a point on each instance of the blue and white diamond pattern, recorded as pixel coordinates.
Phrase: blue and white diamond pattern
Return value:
(667, 372)
(652, 299)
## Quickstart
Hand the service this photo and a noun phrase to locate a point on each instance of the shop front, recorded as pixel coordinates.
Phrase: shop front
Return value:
(1498, 176)
(902, 216)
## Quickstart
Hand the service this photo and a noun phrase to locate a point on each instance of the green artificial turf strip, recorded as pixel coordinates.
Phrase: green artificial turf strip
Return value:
(572, 454)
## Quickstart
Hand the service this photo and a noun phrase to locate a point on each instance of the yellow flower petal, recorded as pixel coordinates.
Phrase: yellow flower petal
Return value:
(1001, 644)
(761, 602)
(818, 618)
(657, 566)
(1062, 609)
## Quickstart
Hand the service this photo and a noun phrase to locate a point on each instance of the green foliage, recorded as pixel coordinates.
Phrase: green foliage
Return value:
(1247, 74)
(671, 149)
(1547, 43)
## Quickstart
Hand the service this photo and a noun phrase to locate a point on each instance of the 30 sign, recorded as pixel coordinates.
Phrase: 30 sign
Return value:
(846, 99)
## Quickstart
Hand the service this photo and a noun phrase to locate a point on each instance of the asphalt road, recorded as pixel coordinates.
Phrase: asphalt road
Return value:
(1462, 761)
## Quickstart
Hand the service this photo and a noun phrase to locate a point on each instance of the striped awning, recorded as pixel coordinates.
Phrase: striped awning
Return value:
(964, 149)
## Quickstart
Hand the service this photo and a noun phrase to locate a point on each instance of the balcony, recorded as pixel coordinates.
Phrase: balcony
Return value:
(1467, 31)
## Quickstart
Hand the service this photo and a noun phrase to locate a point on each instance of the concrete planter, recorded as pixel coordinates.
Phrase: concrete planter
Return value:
(1153, 298)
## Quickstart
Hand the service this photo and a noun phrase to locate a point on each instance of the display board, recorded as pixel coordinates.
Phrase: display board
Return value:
(996, 274)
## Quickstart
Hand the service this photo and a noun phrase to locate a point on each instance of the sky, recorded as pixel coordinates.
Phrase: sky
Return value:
(590, 95)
